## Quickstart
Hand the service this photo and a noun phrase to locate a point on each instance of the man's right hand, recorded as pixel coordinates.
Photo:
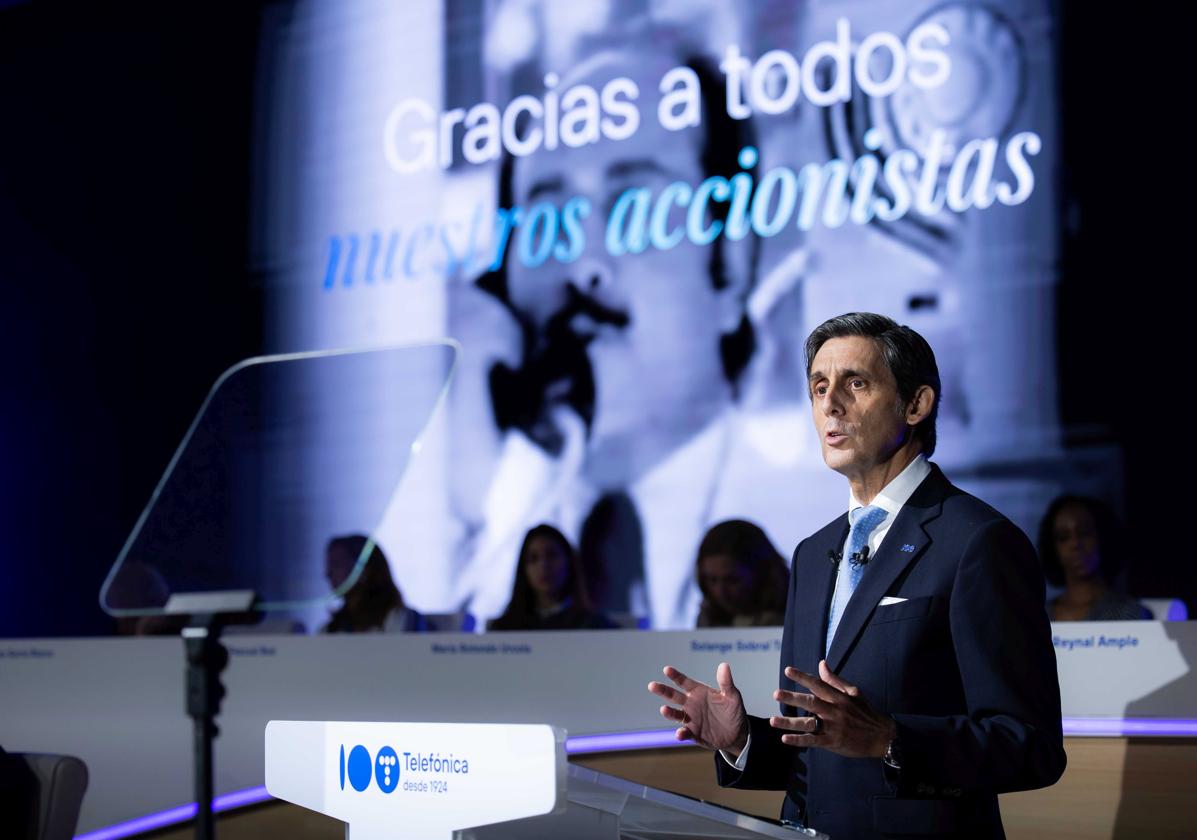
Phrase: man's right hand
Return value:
(710, 717)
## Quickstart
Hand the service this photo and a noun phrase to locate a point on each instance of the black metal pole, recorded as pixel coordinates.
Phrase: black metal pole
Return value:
(205, 827)
(206, 658)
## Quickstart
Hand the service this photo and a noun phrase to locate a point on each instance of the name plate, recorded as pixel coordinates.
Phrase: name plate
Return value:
(417, 780)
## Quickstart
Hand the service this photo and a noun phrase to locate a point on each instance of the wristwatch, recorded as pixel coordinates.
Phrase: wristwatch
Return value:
(893, 754)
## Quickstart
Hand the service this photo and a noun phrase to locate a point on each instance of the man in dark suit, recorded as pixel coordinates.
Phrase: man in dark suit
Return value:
(918, 679)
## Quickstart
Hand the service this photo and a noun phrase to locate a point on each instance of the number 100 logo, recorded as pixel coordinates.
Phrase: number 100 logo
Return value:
(358, 768)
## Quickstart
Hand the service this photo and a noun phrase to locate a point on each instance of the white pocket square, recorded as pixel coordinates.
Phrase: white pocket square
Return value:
(889, 599)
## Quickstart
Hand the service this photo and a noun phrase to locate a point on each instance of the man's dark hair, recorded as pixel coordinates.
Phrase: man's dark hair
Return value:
(720, 155)
(906, 353)
(722, 139)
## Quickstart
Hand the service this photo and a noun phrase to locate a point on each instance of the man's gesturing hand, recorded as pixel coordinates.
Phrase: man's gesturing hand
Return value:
(710, 717)
(841, 720)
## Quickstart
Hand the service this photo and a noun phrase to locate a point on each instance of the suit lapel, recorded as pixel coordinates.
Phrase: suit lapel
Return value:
(817, 577)
(906, 541)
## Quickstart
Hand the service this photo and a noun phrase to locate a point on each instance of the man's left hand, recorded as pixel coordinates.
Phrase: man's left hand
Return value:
(841, 720)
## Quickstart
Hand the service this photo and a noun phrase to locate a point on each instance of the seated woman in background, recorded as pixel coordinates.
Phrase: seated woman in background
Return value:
(1080, 547)
(549, 593)
(744, 581)
(373, 603)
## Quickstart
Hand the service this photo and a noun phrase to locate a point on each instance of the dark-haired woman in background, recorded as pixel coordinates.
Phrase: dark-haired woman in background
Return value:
(744, 580)
(1080, 544)
(549, 593)
(373, 603)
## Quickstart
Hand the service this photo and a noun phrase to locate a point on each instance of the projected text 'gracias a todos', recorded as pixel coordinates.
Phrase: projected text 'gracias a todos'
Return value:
(886, 182)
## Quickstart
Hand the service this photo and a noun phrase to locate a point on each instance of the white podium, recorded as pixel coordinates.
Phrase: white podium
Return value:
(470, 781)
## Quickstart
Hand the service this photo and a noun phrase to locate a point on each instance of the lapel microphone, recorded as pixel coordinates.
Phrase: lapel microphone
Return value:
(860, 558)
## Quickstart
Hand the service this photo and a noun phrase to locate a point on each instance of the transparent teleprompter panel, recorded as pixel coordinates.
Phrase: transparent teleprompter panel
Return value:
(285, 452)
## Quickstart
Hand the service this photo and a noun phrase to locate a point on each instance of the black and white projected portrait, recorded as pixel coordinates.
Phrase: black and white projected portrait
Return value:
(629, 216)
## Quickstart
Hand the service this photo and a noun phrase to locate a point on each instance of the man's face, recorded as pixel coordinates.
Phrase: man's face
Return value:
(858, 413)
(653, 340)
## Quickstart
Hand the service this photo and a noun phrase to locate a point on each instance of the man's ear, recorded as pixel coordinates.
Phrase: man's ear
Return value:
(919, 407)
(735, 281)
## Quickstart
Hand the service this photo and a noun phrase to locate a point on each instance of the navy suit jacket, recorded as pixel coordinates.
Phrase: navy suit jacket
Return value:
(965, 665)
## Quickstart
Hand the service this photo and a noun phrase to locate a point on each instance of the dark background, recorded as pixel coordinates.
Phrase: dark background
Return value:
(124, 264)
(126, 145)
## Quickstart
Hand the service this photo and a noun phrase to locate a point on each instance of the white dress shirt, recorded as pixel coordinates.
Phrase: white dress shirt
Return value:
(891, 499)
(673, 499)
(673, 523)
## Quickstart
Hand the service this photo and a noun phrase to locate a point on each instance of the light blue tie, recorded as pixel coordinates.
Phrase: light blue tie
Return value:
(864, 521)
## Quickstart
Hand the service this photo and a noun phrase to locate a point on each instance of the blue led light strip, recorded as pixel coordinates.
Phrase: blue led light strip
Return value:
(1121, 727)
(644, 740)
(236, 799)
